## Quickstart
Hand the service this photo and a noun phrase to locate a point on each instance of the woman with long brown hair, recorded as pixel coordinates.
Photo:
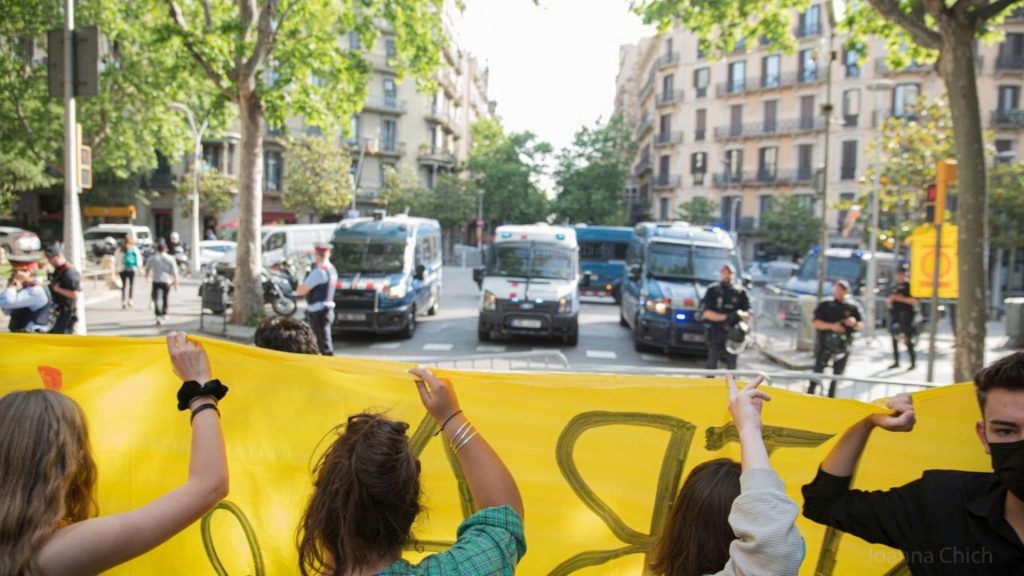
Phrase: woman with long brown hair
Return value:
(48, 512)
(731, 518)
(366, 497)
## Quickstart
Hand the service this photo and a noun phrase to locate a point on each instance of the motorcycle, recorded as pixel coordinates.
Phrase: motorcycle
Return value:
(279, 292)
(180, 258)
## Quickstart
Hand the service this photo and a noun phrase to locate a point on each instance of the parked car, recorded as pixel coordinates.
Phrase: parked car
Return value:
(294, 241)
(210, 250)
(776, 272)
(95, 238)
(18, 241)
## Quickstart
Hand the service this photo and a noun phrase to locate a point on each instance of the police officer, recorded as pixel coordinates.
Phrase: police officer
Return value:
(65, 288)
(901, 318)
(835, 321)
(724, 305)
(318, 288)
(25, 299)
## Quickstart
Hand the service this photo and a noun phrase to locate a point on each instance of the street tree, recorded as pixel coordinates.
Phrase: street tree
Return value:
(317, 176)
(790, 228)
(452, 201)
(939, 31)
(698, 210)
(273, 59)
(216, 191)
(403, 192)
(1006, 213)
(591, 174)
(506, 168)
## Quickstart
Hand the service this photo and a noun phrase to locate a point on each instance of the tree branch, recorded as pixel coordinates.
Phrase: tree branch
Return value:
(216, 77)
(30, 141)
(265, 34)
(913, 22)
(206, 13)
(991, 10)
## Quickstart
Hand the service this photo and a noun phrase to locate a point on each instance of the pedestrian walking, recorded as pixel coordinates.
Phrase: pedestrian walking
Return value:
(128, 260)
(25, 300)
(318, 289)
(724, 306)
(65, 289)
(835, 321)
(164, 272)
(901, 318)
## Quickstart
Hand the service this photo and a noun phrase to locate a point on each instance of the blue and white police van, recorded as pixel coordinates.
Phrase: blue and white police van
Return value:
(530, 283)
(669, 266)
(389, 273)
(603, 258)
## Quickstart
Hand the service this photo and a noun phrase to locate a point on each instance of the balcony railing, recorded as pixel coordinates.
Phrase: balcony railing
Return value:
(391, 148)
(700, 135)
(1008, 118)
(385, 104)
(769, 82)
(665, 182)
(668, 139)
(666, 60)
(368, 194)
(645, 124)
(647, 88)
(770, 129)
(666, 98)
(436, 155)
(1010, 63)
(807, 30)
(882, 67)
(643, 167)
(764, 177)
(442, 117)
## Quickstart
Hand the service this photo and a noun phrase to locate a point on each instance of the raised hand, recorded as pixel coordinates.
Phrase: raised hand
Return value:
(188, 358)
(438, 395)
(902, 418)
(745, 405)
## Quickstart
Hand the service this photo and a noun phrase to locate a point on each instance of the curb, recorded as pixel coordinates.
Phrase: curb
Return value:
(777, 357)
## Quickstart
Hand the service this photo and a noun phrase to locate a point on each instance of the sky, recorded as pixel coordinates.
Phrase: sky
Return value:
(553, 66)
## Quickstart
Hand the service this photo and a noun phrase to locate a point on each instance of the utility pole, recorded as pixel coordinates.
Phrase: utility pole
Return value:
(826, 112)
(197, 169)
(73, 246)
(880, 88)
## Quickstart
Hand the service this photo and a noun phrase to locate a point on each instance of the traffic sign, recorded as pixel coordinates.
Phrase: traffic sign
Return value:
(109, 211)
(922, 262)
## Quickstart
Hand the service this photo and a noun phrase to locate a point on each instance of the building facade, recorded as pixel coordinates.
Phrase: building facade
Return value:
(749, 127)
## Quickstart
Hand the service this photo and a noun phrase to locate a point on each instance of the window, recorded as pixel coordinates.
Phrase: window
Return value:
(663, 209)
(389, 48)
(700, 52)
(701, 80)
(904, 100)
(806, 112)
(765, 204)
(699, 163)
(700, 124)
(1004, 151)
(851, 107)
(1009, 98)
(770, 67)
(273, 167)
(1011, 52)
(385, 168)
(353, 40)
(736, 119)
(845, 199)
(805, 161)
(848, 164)
(356, 129)
(388, 134)
(733, 165)
(731, 206)
(668, 46)
(665, 128)
(737, 76)
(806, 201)
(851, 59)
(213, 152)
(771, 116)
(231, 158)
(663, 170)
(768, 163)
(810, 22)
(390, 91)
(807, 66)
(668, 87)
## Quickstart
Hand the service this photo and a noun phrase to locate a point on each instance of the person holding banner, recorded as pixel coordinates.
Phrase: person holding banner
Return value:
(947, 522)
(367, 495)
(48, 512)
(731, 518)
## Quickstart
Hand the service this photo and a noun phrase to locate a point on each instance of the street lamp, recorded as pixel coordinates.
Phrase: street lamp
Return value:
(197, 165)
(881, 88)
(734, 201)
(479, 218)
(836, 12)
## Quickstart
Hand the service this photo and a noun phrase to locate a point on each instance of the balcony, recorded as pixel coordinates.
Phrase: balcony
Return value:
(770, 129)
(647, 89)
(644, 125)
(380, 63)
(442, 117)
(1008, 119)
(385, 105)
(640, 212)
(643, 167)
(668, 139)
(807, 30)
(446, 78)
(766, 83)
(667, 182)
(1010, 63)
(666, 98)
(391, 148)
(755, 178)
(666, 60)
(437, 156)
(882, 67)
(368, 194)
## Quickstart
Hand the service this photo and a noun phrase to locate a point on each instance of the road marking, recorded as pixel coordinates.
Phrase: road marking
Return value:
(386, 345)
(602, 354)
(438, 347)
(654, 358)
(490, 348)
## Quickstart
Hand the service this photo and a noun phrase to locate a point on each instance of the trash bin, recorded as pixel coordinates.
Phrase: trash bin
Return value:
(1014, 308)
(805, 338)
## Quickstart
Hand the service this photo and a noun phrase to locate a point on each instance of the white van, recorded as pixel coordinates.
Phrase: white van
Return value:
(96, 235)
(294, 241)
(530, 284)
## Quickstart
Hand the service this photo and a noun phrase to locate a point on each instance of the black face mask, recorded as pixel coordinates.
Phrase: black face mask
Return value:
(1008, 463)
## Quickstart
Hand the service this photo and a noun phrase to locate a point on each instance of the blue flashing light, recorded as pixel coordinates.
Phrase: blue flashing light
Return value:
(539, 301)
(514, 300)
(506, 234)
(817, 249)
(858, 254)
(680, 316)
(560, 236)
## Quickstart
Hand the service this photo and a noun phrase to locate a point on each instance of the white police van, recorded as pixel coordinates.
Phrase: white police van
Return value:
(530, 282)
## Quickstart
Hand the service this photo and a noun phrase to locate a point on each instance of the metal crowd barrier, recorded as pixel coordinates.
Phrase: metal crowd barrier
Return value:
(536, 360)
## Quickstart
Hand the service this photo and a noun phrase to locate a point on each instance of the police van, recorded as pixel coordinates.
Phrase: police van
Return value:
(530, 282)
(669, 266)
(603, 258)
(389, 273)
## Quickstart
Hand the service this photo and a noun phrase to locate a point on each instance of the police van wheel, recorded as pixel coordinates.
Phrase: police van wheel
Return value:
(482, 334)
(410, 327)
(435, 306)
(572, 338)
(622, 319)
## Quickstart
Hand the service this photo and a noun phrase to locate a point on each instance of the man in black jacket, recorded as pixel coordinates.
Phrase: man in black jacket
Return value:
(835, 320)
(723, 306)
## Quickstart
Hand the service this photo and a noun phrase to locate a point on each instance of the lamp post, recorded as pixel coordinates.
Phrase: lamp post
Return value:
(197, 165)
(880, 88)
(836, 11)
(479, 218)
(734, 201)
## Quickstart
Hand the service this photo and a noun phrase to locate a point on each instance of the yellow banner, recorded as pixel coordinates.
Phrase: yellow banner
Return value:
(599, 459)
(922, 262)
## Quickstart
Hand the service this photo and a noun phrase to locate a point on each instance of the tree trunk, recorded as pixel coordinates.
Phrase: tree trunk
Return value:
(248, 289)
(956, 64)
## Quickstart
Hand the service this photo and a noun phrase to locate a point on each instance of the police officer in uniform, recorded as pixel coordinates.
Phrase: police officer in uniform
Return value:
(724, 305)
(901, 318)
(835, 321)
(318, 288)
(25, 300)
(65, 288)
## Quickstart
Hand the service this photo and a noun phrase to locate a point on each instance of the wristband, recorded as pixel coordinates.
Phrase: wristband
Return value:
(191, 389)
(446, 421)
(209, 406)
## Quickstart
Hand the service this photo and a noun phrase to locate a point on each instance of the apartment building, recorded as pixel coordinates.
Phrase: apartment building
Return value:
(747, 128)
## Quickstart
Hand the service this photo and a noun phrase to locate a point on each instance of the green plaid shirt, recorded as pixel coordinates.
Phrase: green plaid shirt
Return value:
(490, 542)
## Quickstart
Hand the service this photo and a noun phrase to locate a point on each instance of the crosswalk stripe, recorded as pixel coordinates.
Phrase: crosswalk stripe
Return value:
(654, 358)
(438, 347)
(386, 345)
(490, 348)
(602, 354)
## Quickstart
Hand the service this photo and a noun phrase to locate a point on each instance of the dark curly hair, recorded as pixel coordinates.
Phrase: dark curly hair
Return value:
(366, 495)
(1006, 373)
(286, 334)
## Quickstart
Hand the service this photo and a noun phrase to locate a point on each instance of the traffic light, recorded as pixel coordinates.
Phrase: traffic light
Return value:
(931, 194)
(944, 177)
(85, 167)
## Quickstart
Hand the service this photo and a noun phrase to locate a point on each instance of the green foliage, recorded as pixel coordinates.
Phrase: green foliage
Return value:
(699, 211)
(452, 201)
(18, 174)
(790, 228)
(506, 168)
(591, 174)
(215, 191)
(1006, 206)
(404, 192)
(317, 178)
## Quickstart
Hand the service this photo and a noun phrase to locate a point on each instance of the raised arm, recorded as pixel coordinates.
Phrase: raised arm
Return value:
(745, 406)
(489, 480)
(98, 544)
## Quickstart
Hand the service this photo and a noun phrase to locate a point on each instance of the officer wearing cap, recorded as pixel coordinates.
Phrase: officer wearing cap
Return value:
(66, 289)
(901, 317)
(318, 288)
(835, 321)
(25, 300)
(724, 306)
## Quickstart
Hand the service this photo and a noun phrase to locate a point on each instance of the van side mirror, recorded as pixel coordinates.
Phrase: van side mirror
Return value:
(587, 279)
(478, 277)
(421, 271)
(634, 273)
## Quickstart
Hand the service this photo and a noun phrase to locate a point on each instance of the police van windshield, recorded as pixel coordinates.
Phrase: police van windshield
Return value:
(603, 251)
(368, 257)
(677, 261)
(531, 260)
(849, 269)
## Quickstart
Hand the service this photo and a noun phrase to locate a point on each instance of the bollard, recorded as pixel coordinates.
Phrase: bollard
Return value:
(805, 338)
(1014, 308)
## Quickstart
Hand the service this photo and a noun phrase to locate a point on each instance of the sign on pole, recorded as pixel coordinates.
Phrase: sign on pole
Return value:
(922, 262)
